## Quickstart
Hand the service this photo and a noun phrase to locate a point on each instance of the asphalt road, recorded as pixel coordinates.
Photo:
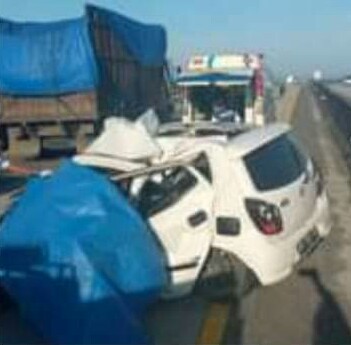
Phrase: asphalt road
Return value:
(313, 306)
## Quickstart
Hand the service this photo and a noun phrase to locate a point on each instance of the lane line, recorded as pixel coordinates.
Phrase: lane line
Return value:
(316, 114)
(214, 326)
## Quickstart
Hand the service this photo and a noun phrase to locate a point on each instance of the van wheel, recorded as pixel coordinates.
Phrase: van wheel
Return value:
(224, 276)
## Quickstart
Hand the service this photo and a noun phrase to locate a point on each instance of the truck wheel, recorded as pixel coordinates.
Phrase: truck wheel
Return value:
(4, 139)
(224, 276)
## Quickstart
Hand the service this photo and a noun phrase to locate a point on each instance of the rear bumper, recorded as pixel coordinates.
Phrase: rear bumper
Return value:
(280, 258)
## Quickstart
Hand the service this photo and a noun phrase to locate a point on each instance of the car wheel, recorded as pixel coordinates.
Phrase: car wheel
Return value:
(224, 276)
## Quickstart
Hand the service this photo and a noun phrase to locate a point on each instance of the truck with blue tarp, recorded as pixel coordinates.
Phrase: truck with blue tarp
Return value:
(56, 77)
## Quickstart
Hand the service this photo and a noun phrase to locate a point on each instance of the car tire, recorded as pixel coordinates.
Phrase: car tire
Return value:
(224, 276)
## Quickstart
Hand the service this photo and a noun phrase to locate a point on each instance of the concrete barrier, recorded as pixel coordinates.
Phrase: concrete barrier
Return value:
(287, 104)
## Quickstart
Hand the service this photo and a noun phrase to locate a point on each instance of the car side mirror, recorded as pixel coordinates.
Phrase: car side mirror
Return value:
(228, 226)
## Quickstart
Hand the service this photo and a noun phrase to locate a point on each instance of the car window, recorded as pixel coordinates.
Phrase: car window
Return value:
(276, 164)
(161, 191)
(202, 164)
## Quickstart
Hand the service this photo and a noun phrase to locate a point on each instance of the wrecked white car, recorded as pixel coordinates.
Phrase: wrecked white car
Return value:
(226, 204)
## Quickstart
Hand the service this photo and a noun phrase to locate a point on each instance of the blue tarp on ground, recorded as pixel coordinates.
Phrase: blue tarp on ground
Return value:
(45, 59)
(79, 260)
(42, 59)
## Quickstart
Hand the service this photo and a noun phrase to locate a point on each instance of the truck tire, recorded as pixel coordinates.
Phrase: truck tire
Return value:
(225, 277)
(4, 138)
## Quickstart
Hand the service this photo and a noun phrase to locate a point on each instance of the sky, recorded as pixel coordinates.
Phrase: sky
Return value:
(296, 36)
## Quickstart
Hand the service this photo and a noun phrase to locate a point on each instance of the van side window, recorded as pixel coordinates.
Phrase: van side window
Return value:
(158, 194)
(202, 164)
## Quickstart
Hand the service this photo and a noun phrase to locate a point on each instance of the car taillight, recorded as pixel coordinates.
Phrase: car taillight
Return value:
(266, 216)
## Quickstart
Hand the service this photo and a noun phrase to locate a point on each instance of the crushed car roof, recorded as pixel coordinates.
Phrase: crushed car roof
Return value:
(251, 140)
(123, 145)
(238, 139)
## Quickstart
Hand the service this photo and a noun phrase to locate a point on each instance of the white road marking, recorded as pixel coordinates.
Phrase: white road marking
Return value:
(316, 114)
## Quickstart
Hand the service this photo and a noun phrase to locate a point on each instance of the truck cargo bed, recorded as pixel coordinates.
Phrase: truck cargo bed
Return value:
(71, 107)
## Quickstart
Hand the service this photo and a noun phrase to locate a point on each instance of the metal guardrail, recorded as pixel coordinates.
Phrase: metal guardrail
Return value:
(337, 118)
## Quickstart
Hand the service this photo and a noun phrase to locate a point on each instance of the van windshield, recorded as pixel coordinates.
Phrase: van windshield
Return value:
(276, 164)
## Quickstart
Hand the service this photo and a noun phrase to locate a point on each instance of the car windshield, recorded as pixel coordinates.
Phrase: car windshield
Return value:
(276, 164)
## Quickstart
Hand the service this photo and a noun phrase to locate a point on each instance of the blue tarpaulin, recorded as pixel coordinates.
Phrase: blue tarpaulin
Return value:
(79, 261)
(45, 59)
(42, 59)
(147, 43)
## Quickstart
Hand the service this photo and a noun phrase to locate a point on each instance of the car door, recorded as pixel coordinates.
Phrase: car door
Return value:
(178, 204)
